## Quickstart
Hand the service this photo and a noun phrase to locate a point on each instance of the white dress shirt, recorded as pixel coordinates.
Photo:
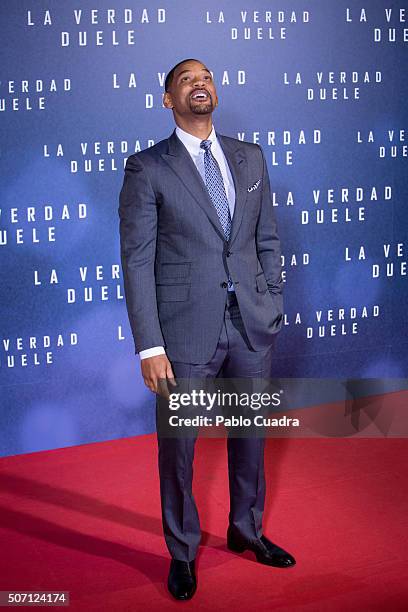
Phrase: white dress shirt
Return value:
(192, 144)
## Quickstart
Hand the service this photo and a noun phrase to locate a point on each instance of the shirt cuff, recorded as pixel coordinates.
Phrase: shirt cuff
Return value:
(152, 352)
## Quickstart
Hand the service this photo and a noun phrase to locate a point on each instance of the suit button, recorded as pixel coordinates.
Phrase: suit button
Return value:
(229, 253)
(224, 285)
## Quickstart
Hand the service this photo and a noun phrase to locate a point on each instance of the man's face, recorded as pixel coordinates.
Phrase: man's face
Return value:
(192, 91)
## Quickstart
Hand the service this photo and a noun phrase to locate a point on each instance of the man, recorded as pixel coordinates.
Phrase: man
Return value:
(202, 275)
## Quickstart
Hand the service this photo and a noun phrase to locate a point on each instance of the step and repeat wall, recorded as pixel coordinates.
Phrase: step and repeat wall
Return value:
(320, 84)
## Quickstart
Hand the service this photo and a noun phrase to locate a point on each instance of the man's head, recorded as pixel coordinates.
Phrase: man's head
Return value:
(190, 90)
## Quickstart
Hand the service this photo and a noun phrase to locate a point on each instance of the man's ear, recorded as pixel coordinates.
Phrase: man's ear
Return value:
(167, 102)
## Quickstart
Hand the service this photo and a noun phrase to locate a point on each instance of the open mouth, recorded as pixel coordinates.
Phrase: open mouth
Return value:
(200, 94)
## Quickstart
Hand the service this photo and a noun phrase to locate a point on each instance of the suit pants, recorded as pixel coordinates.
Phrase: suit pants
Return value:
(234, 358)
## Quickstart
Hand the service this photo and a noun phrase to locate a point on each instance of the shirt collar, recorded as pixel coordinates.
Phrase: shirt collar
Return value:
(192, 143)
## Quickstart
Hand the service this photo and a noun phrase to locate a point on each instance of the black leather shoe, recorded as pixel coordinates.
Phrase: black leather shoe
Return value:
(265, 551)
(182, 581)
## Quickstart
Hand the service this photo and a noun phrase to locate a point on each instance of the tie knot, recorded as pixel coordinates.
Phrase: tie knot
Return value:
(206, 144)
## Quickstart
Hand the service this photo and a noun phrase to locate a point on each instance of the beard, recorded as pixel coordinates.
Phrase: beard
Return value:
(202, 108)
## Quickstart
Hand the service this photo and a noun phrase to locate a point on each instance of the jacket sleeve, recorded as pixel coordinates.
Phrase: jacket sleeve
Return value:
(267, 240)
(138, 232)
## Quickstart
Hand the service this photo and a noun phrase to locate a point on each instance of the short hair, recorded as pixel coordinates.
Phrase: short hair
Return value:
(170, 74)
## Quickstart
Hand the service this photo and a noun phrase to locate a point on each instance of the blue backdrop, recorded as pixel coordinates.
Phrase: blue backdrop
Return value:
(321, 85)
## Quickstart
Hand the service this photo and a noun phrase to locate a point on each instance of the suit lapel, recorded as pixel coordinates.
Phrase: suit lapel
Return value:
(238, 165)
(181, 163)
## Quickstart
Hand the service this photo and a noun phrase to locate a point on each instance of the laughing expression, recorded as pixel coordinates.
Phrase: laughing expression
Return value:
(192, 90)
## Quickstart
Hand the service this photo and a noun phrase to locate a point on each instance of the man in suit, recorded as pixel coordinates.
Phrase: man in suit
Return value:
(202, 275)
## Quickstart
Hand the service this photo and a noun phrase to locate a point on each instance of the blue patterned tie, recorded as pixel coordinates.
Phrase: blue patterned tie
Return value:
(216, 188)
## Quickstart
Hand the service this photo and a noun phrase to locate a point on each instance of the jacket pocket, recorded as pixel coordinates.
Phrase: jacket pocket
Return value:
(173, 292)
(174, 272)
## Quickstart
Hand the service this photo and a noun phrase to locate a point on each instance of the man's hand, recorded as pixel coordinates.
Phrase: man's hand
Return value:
(156, 371)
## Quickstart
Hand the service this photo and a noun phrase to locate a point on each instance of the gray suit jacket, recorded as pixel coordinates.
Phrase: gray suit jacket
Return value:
(175, 257)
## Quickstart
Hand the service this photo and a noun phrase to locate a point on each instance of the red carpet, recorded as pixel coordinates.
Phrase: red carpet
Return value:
(87, 520)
